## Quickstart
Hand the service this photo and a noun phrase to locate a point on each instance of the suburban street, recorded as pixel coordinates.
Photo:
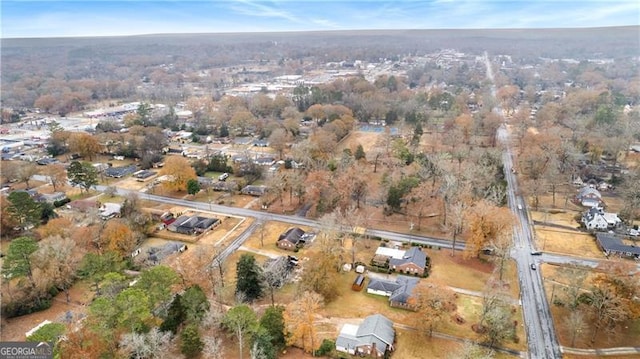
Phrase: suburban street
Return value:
(539, 328)
(541, 336)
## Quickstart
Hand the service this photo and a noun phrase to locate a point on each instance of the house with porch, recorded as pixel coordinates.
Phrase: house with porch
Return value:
(597, 219)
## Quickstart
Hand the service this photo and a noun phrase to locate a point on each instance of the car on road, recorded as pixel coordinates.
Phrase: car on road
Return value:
(536, 253)
(533, 266)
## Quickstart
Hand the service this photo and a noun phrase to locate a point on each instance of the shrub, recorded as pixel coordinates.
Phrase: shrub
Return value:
(326, 347)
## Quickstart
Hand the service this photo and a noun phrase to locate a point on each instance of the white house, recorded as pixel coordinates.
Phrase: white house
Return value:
(110, 210)
(596, 218)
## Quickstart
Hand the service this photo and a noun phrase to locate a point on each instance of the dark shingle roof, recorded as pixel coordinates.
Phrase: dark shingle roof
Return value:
(292, 235)
(612, 243)
(413, 255)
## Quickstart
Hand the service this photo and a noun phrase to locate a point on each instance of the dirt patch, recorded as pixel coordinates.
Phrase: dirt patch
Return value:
(366, 139)
(14, 329)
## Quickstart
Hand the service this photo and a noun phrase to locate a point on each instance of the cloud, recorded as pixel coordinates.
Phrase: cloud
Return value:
(261, 9)
(38, 18)
(326, 23)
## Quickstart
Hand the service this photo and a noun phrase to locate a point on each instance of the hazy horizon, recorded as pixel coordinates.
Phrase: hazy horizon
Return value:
(55, 19)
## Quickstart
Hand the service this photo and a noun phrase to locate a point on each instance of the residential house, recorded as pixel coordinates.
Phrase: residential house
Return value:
(254, 190)
(375, 337)
(143, 175)
(261, 143)
(597, 219)
(109, 210)
(192, 224)
(119, 172)
(291, 239)
(53, 197)
(265, 161)
(589, 197)
(398, 291)
(611, 243)
(414, 261)
(384, 254)
(157, 254)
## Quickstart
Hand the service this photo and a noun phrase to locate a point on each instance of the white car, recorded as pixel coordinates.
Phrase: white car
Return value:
(634, 232)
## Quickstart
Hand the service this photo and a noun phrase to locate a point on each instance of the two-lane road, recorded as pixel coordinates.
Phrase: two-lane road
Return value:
(541, 336)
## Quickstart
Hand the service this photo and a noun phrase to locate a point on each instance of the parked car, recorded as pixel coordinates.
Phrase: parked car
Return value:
(533, 266)
(536, 253)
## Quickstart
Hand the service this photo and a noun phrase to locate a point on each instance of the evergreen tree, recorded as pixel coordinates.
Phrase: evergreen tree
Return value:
(262, 347)
(273, 322)
(193, 186)
(82, 174)
(360, 153)
(195, 304)
(191, 345)
(249, 281)
(23, 208)
(175, 316)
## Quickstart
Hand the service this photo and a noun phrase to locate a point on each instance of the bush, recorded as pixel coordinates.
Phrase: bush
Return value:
(326, 347)
(15, 309)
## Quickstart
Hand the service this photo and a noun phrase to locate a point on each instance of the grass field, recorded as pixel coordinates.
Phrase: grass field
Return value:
(567, 242)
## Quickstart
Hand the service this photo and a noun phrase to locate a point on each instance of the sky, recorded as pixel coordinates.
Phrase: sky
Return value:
(52, 18)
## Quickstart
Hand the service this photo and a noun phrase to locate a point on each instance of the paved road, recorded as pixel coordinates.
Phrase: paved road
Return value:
(541, 336)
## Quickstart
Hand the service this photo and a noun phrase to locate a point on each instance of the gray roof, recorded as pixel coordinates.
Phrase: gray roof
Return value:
(293, 235)
(186, 223)
(400, 289)
(612, 243)
(120, 171)
(588, 190)
(413, 255)
(383, 285)
(254, 190)
(402, 294)
(375, 328)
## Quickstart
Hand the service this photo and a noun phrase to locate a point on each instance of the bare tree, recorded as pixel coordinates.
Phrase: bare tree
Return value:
(58, 258)
(213, 348)
(152, 345)
(275, 273)
(26, 171)
(573, 279)
(576, 324)
(471, 350)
